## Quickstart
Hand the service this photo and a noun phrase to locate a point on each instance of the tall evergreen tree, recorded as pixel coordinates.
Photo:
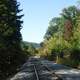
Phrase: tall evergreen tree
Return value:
(10, 37)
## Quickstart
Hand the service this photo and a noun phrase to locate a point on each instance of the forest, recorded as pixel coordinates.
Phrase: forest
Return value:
(61, 42)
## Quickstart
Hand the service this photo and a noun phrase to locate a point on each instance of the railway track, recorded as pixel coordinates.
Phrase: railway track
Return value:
(34, 69)
(45, 73)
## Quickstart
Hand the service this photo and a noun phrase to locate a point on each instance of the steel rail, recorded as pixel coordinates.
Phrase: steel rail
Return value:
(37, 76)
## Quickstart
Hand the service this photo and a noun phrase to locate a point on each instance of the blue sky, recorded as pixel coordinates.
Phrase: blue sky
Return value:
(37, 14)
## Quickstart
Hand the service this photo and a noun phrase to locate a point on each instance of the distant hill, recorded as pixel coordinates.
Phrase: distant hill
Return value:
(35, 45)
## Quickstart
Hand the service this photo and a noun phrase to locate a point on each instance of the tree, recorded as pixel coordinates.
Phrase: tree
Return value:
(53, 27)
(10, 37)
(69, 14)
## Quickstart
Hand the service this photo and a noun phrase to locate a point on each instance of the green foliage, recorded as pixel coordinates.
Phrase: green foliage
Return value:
(29, 48)
(63, 38)
(11, 54)
(55, 25)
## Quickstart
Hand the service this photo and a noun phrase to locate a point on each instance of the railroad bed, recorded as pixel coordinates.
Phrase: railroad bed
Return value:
(38, 69)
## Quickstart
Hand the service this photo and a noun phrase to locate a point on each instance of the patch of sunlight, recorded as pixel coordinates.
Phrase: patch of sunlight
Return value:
(72, 71)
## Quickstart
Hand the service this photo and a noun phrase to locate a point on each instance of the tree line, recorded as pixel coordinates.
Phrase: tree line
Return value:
(62, 39)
